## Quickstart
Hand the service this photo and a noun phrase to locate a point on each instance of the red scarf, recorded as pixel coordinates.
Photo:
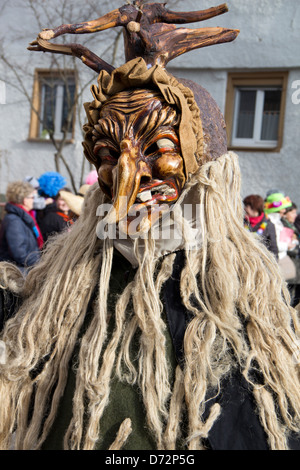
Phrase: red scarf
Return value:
(40, 240)
(66, 217)
(255, 220)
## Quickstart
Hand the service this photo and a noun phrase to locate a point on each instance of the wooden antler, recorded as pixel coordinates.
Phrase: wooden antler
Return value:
(120, 17)
(88, 57)
(150, 13)
(149, 32)
(172, 42)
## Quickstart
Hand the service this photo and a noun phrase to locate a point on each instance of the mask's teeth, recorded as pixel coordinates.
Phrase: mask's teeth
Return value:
(144, 196)
(164, 189)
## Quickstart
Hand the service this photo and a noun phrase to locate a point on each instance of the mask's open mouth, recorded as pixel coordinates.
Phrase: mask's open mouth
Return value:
(139, 198)
(157, 191)
(151, 202)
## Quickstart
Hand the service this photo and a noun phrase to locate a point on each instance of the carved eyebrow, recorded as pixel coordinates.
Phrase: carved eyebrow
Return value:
(108, 127)
(144, 124)
(148, 124)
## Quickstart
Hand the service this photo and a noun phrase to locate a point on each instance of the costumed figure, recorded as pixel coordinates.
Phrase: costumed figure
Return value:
(258, 222)
(158, 321)
(51, 218)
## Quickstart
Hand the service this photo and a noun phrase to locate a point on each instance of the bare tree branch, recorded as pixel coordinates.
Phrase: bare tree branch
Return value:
(18, 77)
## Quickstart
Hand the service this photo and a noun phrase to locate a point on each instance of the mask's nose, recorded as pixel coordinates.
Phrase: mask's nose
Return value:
(127, 177)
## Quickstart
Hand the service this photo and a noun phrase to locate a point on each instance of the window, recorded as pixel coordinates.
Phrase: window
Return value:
(255, 110)
(53, 105)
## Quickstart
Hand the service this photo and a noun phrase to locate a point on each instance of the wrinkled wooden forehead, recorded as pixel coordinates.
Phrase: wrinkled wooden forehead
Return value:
(134, 100)
(138, 113)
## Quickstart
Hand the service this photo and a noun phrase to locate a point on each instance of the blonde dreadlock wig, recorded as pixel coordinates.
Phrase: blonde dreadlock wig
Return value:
(94, 332)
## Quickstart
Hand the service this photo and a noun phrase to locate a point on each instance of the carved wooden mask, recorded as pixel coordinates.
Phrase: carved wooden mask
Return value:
(137, 156)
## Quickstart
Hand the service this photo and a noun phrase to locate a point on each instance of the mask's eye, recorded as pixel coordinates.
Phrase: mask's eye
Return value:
(106, 153)
(160, 144)
(165, 144)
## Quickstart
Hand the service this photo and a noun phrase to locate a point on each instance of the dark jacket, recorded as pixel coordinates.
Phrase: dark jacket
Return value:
(18, 243)
(297, 223)
(268, 234)
(9, 303)
(49, 220)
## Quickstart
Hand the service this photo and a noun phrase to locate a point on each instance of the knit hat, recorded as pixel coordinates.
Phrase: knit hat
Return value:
(92, 177)
(276, 202)
(50, 183)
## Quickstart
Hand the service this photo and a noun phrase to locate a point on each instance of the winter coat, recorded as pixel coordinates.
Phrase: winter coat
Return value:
(50, 221)
(18, 241)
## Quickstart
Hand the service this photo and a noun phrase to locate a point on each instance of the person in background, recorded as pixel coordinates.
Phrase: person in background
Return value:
(51, 220)
(20, 236)
(39, 202)
(74, 203)
(63, 206)
(257, 221)
(288, 219)
(276, 205)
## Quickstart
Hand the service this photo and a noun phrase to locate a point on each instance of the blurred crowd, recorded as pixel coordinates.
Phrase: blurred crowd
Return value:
(276, 220)
(36, 209)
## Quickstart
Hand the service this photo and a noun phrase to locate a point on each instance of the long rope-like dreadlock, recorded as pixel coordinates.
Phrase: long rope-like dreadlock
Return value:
(240, 318)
